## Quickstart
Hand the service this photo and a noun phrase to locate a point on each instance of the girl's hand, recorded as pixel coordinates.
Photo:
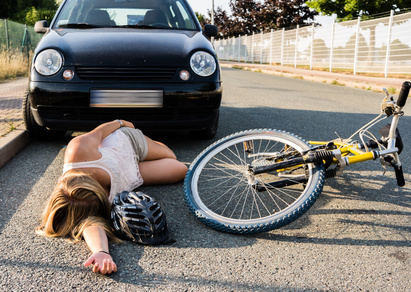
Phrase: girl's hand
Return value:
(102, 263)
(128, 124)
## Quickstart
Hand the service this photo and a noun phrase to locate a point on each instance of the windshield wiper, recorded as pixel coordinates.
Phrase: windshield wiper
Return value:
(142, 26)
(78, 25)
(87, 25)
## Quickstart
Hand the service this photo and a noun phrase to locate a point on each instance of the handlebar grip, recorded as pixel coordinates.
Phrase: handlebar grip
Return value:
(399, 175)
(405, 90)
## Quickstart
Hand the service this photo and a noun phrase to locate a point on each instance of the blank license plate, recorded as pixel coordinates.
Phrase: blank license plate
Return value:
(126, 98)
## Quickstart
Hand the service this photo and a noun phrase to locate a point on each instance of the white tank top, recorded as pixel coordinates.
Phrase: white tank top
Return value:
(118, 160)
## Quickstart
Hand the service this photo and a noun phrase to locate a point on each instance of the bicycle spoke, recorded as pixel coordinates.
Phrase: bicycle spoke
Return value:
(228, 202)
(270, 192)
(219, 177)
(243, 207)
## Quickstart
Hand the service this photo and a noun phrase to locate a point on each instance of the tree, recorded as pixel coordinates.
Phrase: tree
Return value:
(28, 11)
(246, 17)
(253, 16)
(201, 19)
(34, 15)
(223, 22)
(276, 14)
(350, 9)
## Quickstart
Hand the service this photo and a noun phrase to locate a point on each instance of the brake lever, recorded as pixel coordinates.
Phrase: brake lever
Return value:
(388, 104)
(387, 95)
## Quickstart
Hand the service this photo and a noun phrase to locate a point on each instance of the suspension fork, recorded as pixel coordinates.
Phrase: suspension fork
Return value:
(310, 157)
(316, 157)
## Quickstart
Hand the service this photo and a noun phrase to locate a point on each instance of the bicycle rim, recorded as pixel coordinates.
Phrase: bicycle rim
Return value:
(221, 192)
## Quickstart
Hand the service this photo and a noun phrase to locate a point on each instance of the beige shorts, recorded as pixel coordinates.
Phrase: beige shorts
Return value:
(138, 142)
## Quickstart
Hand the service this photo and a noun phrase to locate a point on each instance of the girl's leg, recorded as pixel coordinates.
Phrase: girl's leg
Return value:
(162, 171)
(158, 150)
(161, 165)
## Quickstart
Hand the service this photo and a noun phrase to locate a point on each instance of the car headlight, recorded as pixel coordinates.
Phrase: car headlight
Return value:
(203, 63)
(48, 62)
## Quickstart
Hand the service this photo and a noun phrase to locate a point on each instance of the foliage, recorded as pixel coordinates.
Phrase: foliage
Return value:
(223, 22)
(246, 17)
(278, 14)
(28, 11)
(349, 9)
(254, 16)
(201, 18)
(34, 15)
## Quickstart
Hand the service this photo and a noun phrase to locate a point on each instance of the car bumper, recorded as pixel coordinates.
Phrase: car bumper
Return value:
(66, 106)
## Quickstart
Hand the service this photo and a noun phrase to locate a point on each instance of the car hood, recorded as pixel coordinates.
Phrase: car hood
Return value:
(125, 47)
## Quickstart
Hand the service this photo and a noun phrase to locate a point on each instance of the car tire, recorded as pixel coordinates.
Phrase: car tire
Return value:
(211, 130)
(34, 130)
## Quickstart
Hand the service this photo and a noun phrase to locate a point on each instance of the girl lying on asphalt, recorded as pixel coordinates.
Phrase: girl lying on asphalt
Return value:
(112, 158)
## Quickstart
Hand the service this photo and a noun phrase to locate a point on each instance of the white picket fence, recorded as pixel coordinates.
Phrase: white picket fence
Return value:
(375, 46)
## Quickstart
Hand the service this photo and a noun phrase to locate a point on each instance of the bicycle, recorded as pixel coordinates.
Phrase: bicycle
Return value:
(262, 179)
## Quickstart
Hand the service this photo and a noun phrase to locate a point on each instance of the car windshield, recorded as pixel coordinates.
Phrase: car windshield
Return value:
(153, 14)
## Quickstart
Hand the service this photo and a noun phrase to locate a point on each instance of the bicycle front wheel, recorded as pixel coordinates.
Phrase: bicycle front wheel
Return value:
(221, 191)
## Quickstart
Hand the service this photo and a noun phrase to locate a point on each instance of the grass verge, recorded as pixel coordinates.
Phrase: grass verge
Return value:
(14, 64)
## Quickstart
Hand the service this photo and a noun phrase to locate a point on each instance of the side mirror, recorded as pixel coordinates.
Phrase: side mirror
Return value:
(41, 26)
(210, 30)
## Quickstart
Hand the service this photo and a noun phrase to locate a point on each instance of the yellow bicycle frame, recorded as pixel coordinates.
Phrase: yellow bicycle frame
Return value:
(350, 152)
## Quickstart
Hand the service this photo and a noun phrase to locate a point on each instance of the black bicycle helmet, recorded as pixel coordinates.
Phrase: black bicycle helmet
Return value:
(138, 217)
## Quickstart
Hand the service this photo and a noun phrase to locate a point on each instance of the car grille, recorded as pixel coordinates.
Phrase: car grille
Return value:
(146, 114)
(110, 73)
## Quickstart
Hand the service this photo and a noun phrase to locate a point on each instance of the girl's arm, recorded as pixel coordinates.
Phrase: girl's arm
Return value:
(97, 242)
(84, 147)
(106, 129)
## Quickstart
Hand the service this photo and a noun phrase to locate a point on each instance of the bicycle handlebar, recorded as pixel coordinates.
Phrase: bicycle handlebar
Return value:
(399, 175)
(405, 90)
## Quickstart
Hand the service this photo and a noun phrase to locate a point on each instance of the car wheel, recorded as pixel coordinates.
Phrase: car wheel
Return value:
(211, 130)
(34, 130)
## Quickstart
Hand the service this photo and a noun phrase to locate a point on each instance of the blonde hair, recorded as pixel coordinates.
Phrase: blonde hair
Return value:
(78, 201)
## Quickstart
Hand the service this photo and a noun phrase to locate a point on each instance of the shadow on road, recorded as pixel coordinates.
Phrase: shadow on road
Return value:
(22, 173)
(358, 200)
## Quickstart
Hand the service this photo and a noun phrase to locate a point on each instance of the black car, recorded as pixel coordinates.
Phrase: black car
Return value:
(145, 61)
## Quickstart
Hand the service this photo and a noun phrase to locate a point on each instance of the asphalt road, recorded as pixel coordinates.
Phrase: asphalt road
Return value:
(356, 237)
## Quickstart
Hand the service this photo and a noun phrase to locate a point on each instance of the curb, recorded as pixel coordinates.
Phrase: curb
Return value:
(12, 143)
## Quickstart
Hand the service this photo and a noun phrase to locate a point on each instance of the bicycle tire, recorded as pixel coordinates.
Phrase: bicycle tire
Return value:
(218, 178)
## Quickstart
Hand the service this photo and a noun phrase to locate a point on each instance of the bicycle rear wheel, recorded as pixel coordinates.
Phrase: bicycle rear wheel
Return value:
(221, 192)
